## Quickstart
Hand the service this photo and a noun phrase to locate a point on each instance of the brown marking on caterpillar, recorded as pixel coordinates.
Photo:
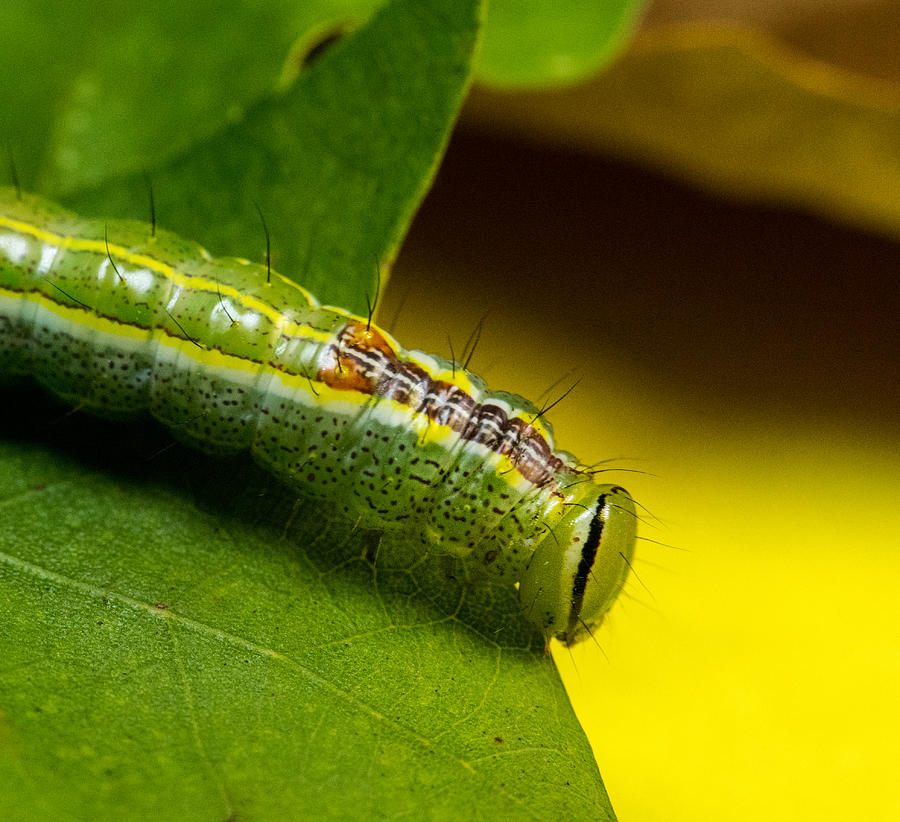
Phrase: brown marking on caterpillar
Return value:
(362, 360)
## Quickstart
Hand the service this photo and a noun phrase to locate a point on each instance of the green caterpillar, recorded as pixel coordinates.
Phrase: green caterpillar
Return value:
(119, 320)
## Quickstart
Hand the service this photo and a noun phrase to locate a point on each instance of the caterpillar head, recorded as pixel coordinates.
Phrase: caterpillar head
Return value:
(578, 570)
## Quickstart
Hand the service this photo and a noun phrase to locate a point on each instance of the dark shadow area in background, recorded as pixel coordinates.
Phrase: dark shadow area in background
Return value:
(726, 302)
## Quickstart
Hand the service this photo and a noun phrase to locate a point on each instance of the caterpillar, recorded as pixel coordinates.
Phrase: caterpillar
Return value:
(121, 320)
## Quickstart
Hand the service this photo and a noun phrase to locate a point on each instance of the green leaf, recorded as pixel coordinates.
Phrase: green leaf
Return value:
(182, 647)
(106, 87)
(337, 163)
(529, 44)
(177, 641)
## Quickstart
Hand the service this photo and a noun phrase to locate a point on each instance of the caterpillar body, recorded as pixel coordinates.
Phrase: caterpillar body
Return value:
(122, 321)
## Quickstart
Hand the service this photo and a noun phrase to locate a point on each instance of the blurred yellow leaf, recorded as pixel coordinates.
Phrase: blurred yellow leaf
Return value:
(733, 110)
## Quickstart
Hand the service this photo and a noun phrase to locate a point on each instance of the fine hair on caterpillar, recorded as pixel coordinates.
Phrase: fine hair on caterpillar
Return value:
(122, 320)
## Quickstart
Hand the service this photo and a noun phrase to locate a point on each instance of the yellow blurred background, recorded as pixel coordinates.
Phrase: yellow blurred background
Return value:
(736, 337)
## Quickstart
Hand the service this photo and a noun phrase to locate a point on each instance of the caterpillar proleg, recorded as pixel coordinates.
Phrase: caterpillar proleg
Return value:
(121, 321)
